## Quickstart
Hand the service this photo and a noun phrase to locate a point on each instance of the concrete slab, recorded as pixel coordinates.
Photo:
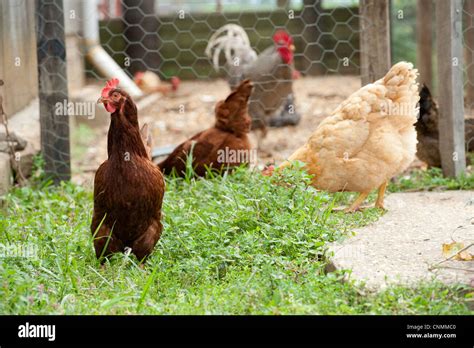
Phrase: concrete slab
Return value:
(402, 246)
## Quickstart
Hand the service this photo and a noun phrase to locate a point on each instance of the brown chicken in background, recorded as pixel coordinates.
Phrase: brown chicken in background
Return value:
(128, 187)
(427, 149)
(367, 140)
(149, 82)
(222, 146)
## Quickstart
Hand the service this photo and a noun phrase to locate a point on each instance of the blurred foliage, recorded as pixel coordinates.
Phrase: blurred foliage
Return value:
(403, 26)
(432, 179)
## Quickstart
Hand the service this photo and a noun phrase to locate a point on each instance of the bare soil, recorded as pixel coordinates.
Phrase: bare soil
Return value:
(178, 117)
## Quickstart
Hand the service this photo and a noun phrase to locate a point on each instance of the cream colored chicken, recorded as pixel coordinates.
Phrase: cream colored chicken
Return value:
(367, 140)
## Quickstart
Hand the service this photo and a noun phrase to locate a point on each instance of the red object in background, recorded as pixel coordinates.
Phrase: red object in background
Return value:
(110, 9)
(175, 82)
(295, 74)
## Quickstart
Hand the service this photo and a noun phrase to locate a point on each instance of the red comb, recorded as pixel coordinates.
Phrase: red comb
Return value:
(175, 81)
(268, 171)
(282, 36)
(111, 84)
(139, 75)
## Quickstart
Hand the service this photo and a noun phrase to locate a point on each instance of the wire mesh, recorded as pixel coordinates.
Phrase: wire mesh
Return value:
(170, 38)
(52, 89)
(173, 43)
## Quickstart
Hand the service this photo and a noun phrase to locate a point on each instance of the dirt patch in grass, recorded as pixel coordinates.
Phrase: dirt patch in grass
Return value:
(176, 118)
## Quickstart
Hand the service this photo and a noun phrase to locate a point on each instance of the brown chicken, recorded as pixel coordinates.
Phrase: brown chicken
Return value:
(426, 126)
(128, 187)
(223, 146)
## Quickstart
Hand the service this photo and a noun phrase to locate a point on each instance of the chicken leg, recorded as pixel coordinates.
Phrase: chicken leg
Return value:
(356, 204)
(105, 244)
(143, 246)
(380, 196)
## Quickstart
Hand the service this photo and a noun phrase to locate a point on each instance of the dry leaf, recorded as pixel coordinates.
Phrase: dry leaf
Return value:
(454, 248)
(464, 256)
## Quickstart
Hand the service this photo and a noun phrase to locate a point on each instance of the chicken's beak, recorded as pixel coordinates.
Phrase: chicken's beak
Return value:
(101, 100)
(292, 48)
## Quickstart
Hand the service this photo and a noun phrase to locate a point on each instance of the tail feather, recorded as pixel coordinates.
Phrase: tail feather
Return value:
(147, 139)
(233, 40)
(396, 93)
(401, 85)
(241, 92)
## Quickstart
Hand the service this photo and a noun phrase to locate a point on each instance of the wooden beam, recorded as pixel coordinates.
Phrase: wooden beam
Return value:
(52, 89)
(450, 89)
(374, 39)
(424, 11)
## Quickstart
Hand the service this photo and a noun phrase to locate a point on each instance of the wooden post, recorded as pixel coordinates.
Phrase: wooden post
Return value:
(52, 89)
(424, 10)
(375, 55)
(469, 55)
(450, 89)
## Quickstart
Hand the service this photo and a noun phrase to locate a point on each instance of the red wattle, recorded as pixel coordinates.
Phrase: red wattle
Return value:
(109, 108)
(286, 55)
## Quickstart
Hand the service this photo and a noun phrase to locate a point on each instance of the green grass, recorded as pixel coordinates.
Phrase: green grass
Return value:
(237, 244)
(432, 179)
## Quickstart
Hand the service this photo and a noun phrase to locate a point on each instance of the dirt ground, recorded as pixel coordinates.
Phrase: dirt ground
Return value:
(175, 118)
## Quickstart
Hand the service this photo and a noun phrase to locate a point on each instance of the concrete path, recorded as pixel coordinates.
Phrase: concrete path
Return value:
(402, 245)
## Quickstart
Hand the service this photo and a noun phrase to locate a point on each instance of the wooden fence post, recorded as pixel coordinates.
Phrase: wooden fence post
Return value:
(52, 89)
(450, 89)
(374, 39)
(424, 11)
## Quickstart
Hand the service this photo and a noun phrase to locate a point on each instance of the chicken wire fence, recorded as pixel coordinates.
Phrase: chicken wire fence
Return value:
(52, 91)
(170, 39)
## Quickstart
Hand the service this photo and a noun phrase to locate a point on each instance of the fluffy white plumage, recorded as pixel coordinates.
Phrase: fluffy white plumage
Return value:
(234, 41)
(368, 139)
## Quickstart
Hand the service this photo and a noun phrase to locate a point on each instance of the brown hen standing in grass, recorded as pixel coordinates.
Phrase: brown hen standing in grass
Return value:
(224, 145)
(128, 187)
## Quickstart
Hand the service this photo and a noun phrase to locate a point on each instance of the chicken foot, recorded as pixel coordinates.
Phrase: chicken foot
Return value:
(380, 196)
(105, 244)
(357, 203)
(143, 246)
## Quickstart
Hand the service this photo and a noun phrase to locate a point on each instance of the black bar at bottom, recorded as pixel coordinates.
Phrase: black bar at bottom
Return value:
(448, 331)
